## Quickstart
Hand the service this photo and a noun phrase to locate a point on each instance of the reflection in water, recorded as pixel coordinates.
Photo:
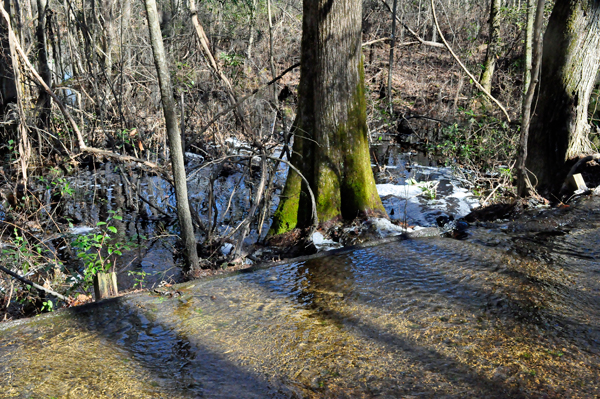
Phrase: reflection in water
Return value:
(425, 317)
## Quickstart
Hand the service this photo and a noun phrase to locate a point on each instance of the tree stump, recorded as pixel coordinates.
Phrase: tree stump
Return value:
(105, 285)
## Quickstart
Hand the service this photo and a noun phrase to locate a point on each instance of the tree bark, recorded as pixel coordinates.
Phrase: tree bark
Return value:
(528, 56)
(390, 66)
(570, 62)
(489, 64)
(8, 88)
(176, 154)
(524, 185)
(330, 132)
(44, 101)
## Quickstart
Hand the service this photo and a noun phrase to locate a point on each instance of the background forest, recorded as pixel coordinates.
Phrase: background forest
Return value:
(224, 55)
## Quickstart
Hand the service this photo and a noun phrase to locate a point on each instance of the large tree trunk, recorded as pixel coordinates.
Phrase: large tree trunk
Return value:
(175, 150)
(571, 58)
(330, 133)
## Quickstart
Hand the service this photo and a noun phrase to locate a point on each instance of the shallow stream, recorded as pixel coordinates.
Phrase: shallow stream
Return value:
(512, 311)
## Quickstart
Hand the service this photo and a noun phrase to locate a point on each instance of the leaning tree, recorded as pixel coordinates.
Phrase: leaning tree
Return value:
(331, 147)
(571, 58)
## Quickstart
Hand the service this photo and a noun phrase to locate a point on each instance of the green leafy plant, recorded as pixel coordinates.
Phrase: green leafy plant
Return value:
(231, 60)
(140, 277)
(480, 143)
(21, 254)
(48, 306)
(429, 188)
(99, 250)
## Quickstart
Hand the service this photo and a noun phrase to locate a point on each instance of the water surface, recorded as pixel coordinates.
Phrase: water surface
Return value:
(512, 312)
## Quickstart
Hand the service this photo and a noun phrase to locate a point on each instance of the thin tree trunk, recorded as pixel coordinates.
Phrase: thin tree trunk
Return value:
(524, 185)
(489, 64)
(251, 22)
(271, 60)
(176, 154)
(44, 102)
(8, 88)
(392, 46)
(528, 57)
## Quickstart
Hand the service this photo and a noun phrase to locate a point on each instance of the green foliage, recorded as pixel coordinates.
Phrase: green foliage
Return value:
(140, 277)
(481, 143)
(231, 59)
(21, 254)
(429, 188)
(99, 251)
(48, 306)
(61, 184)
(28, 259)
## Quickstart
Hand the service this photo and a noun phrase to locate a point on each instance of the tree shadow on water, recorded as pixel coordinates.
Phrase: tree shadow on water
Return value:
(90, 344)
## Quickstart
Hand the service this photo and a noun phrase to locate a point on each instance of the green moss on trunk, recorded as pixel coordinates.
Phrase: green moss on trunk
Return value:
(331, 147)
(358, 190)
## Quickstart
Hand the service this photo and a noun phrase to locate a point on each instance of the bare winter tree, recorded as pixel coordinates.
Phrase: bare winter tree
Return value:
(175, 149)
(493, 49)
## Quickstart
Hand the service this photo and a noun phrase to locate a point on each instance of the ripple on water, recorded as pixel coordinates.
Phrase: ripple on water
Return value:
(430, 317)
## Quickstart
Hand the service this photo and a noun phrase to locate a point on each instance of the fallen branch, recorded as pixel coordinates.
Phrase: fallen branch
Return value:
(413, 33)
(385, 39)
(32, 284)
(479, 86)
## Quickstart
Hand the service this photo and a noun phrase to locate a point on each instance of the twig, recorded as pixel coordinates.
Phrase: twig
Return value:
(241, 100)
(142, 198)
(412, 32)
(32, 284)
(479, 86)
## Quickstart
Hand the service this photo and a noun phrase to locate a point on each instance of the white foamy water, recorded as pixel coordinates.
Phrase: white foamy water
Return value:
(420, 200)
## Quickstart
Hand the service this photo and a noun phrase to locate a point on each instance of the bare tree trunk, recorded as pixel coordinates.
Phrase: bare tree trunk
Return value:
(330, 133)
(176, 154)
(392, 46)
(528, 47)
(489, 64)
(559, 128)
(251, 22)
(8, 88)
(524, 185)
(271, 60)
(24, 147)
(44, 101)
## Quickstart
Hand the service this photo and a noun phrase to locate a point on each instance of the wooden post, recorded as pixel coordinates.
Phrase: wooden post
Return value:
(576, 182)
(105, 285)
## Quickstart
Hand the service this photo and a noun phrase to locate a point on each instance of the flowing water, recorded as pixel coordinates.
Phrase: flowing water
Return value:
(512, 311)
